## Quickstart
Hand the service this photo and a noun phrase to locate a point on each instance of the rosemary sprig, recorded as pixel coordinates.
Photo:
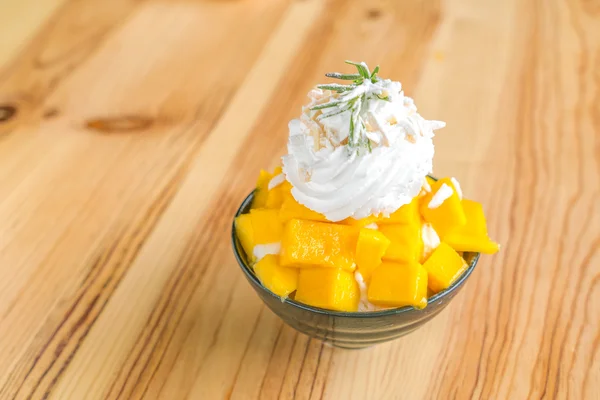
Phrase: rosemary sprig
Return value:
(352, 100)
(362, 68)
(326, 105)
(344, 77)
(331, 114)
(336, 87)
(356, 122)
(374, 74)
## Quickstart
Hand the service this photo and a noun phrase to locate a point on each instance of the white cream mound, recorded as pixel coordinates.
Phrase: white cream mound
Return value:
(364, 151)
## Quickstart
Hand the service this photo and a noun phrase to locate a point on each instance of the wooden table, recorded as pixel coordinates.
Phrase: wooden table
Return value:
(131, 130)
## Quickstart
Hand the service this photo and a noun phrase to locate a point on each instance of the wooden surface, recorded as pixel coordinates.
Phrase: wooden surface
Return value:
(130, 131)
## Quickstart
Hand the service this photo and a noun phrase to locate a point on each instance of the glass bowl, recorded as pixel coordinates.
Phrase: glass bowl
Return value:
(350, 330)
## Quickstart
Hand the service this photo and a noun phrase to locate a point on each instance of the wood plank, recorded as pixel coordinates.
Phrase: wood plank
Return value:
(108, 203)
(180, 228)
(20, 21)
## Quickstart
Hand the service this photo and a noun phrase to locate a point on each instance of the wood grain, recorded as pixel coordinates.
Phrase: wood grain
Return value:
(130, 131)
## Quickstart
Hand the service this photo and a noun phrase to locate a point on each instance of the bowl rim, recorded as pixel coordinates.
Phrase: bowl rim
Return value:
(353, 314)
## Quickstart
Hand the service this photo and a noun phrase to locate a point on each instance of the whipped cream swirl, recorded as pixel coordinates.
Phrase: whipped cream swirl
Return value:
(331, 176)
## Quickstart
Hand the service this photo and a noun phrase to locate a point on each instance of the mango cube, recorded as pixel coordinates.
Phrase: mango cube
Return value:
(318, 244)
(361, 223)
(443, 267)
(407, 214)
(280, 280)
(274, 198)
(406, 243)
(478, 244)
(266, 226)
(473, 235)
(398, 285)
(278, 194)
(476, 223)
(291, 209)
(330, 288)
(371, 246)
(442, 207)
(260, 226)
(262, 189)
(245, 234)
(430, 180)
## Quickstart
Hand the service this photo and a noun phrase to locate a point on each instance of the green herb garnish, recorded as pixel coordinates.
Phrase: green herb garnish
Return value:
(352, 97)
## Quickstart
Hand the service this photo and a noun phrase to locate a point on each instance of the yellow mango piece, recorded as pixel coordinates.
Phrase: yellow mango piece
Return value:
(245, 234)
(318, 244)
(280, 280)
(266, 226)
(426, 186)
(371, 246)
(330, 288)
(407, 214)
(478, 244)
(476, 223)
(473, 235)
(443, 266)
(360, 222)
(262, 189)
(446, 216)
(398, 285)
(406, 243)
(430, 240)
(291, 209)
(274, 198)
(278, 170)
(278, 194)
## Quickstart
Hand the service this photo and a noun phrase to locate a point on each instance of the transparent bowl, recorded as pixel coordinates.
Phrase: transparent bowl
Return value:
(350, 330)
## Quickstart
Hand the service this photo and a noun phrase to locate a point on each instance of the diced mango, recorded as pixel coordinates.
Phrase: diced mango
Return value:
(278, 194)
(430, 180)
(274, 198)
(312, 244)
(407, 214)
(476, 223)
(443, 267)
(430, 240)
(262, 189)
(331, 288)
(426, 186)
(266, 226)
(245, 234)
(291, 209)
(449, 214)
(398, 285)
(473, 235)
(371, 246)
(479, 244)
(361, 223)
(280, 280)
(406, 243)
